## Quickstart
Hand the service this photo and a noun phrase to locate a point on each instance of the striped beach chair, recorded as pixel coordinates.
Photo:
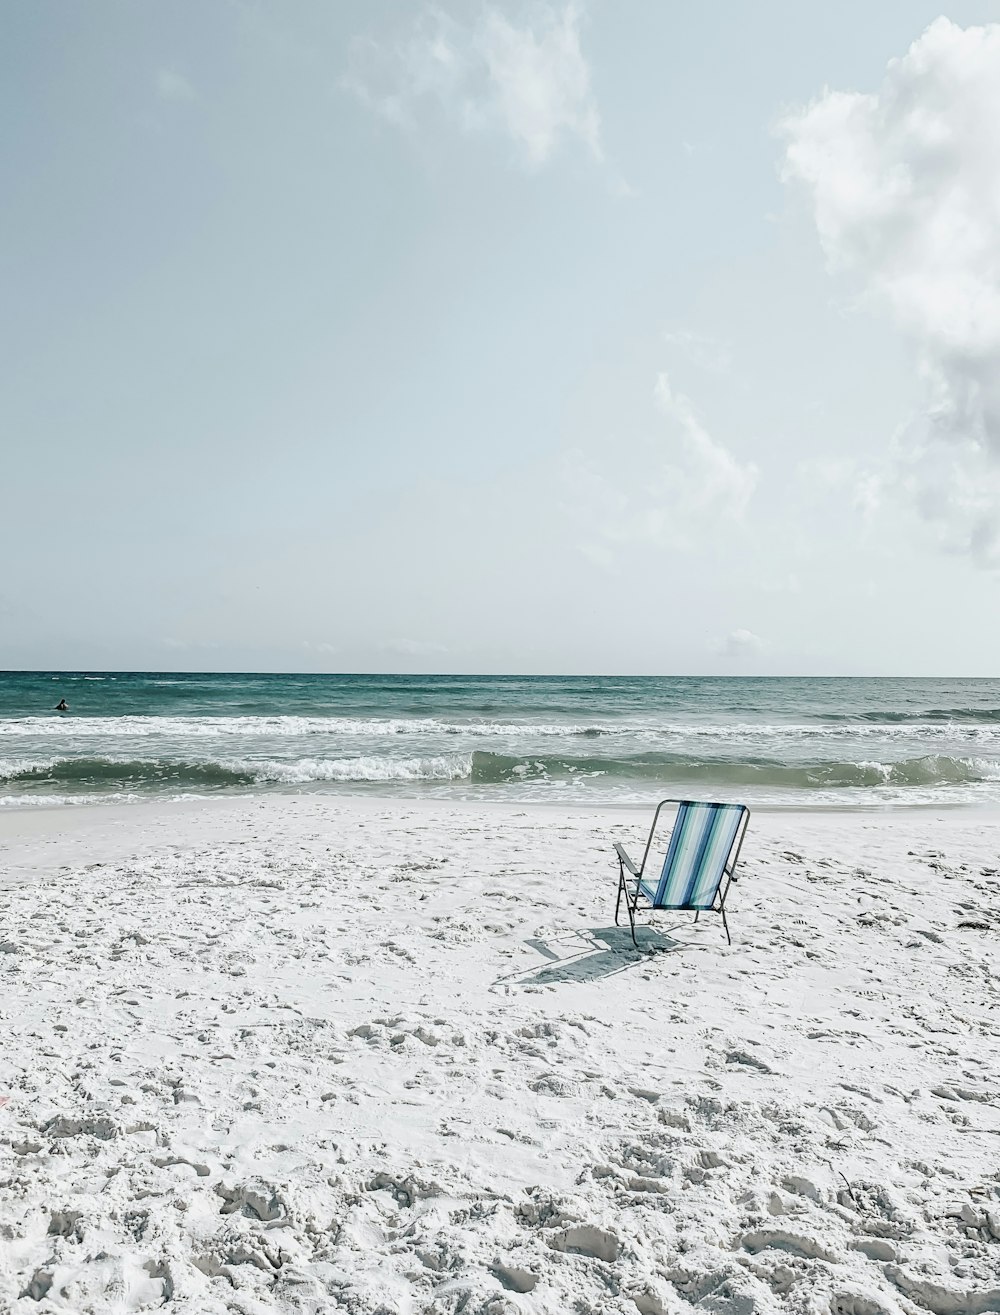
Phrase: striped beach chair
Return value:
(700, 863)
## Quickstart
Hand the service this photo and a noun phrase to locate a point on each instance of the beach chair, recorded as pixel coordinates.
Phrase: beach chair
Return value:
(699, 867)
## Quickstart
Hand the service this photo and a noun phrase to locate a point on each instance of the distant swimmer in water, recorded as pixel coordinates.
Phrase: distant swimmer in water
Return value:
(62, 706)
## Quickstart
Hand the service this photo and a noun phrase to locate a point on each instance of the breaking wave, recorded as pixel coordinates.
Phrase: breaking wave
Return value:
(481, 768)
(287, 727)
(889, 717)
(123, 773)
(934, 769)
(981, 728)
(131, 774)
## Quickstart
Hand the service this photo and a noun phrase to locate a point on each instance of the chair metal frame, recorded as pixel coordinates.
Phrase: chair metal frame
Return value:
(725, 881)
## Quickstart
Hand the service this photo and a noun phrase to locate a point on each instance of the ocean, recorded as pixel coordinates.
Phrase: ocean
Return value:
(859, 743)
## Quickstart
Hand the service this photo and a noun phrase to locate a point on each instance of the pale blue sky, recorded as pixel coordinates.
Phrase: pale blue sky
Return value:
(375, 336)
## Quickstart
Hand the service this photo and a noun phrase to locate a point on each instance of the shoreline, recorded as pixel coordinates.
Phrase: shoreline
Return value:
(45, 835)
(88, 821)
(600, 804)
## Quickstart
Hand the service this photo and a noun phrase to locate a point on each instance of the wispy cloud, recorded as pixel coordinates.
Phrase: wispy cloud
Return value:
(171, 85)
(699, 477)
(905, 191)
(674, 488)
(485, 74)
(857, 484)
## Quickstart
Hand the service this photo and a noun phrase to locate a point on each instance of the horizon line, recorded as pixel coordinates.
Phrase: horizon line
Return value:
(469, 675)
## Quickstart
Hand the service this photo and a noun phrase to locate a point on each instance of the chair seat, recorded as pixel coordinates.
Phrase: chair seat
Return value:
(649, 892)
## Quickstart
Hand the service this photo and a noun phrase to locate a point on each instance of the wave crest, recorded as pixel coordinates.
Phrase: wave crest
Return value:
(206, 727)
(123, 773)
(931, 769)
(482, 768)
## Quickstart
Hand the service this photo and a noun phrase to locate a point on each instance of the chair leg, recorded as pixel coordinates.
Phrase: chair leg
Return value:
(729, 939)
(629, 906)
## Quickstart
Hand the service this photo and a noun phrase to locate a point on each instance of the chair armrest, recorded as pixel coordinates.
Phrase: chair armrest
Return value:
(627, 861)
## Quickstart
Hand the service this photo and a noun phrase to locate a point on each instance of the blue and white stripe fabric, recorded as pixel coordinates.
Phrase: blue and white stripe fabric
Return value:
(700, 845)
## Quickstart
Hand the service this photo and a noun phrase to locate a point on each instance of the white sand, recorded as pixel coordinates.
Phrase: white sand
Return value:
(314, 1054)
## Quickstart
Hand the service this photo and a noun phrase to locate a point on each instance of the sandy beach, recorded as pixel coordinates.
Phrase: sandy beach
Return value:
(316, 1053)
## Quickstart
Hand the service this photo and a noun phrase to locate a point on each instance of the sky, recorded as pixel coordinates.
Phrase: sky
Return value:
(500, 337)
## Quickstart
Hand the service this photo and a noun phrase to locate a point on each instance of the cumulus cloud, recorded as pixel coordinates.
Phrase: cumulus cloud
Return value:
(529, 81)
(741, 644)
(905, 191)
(674, 488)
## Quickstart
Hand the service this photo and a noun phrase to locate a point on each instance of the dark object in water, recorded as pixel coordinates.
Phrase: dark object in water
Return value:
(62, 706)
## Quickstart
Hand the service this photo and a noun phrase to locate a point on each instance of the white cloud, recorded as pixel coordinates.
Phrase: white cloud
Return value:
(488, 74)
(860, 484)
(174, 86)
(741, 644)
(905, 189)
(674, 488)
(700, 478)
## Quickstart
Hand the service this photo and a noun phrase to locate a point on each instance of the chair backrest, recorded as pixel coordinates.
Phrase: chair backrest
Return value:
(700, 845)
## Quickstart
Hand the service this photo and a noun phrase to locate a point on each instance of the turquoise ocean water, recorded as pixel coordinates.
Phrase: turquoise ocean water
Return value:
(812, 742)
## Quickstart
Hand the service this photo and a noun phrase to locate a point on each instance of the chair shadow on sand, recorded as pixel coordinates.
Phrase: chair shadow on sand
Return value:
(591, 953)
